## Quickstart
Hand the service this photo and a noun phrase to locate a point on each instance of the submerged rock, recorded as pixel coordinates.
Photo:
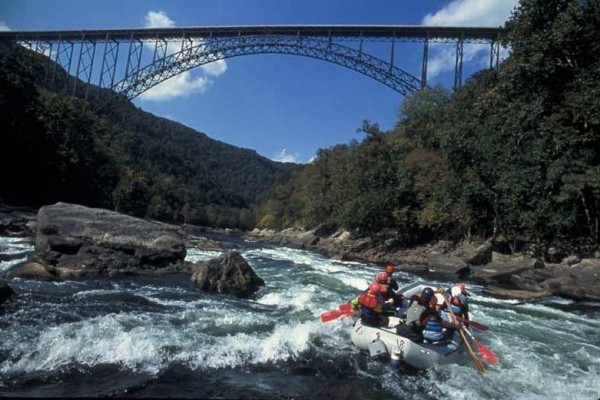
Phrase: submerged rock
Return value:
(6, 291)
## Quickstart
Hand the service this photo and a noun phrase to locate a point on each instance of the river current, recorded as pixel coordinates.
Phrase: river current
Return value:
(162, 337)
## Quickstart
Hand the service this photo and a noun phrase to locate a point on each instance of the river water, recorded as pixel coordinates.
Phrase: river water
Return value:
(162, 337)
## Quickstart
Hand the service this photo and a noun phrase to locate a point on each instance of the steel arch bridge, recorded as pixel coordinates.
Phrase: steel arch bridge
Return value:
(131, 61)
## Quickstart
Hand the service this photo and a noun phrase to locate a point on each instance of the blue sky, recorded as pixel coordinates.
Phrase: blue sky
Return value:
(284, 107)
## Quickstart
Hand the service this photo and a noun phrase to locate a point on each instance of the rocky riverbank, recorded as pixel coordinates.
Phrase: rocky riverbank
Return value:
(74, 241)
(517, 276)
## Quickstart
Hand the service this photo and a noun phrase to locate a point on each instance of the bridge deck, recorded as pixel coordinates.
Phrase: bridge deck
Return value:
(382, 32)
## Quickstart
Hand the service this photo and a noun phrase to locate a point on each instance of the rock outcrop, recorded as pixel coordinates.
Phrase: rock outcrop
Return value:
(17, 221)
(447, 266)
(229, 273)
(74, 241)
(509, 276)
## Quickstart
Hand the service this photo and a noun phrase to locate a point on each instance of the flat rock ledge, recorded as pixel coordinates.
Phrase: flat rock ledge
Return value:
(74, 241)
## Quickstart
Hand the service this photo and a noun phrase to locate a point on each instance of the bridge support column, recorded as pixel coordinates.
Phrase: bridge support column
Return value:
(459, 63)
(424, 65)
(495, 54)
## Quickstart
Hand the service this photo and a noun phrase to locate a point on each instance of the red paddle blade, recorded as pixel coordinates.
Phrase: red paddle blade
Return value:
(474, 324)
(486, 353)
(330, 315)
(345, 308)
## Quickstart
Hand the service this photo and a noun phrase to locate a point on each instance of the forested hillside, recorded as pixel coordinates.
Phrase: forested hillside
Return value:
(60, 148)
(514, 153)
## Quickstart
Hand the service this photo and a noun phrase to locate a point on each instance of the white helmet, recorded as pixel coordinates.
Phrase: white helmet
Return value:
(456, 291)
(440, 298)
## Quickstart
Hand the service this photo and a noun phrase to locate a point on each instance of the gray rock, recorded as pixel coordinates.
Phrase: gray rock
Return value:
(587, 272)
(77, 241)
(482, 254)
(502, 268)
(570, 288)
(503, 293)
(229, 273)
(570, 260)
(31, 270)
(442, 265)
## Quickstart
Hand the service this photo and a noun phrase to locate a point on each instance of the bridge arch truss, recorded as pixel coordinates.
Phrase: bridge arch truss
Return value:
(134, 60)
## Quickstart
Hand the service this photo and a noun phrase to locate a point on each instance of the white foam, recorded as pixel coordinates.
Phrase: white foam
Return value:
(12, 245)
(6, 265)
(356, 282)
(292, 297)
(195, 255)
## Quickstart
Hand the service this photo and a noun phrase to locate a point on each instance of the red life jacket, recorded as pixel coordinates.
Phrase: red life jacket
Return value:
(369, 301)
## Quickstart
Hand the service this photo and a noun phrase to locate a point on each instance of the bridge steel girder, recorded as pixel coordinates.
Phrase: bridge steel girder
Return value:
(202, 45)
(207, 52)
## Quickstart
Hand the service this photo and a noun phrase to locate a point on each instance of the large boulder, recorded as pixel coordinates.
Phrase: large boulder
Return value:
(587, 272)
(447, 266)
(229, 273)
(76, 241)
(577, 282)
(502, 269)
(570, 288)
(474, 253)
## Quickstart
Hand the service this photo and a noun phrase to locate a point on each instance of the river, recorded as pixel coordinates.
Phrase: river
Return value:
(162, 337)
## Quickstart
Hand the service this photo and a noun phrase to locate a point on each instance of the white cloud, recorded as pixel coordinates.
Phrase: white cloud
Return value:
(465, 13)
(286, 157)
(184, 83)
(472, 13)
(181, 85)
(444, 58)
(215, 68)
(4, 27)
(158, 19)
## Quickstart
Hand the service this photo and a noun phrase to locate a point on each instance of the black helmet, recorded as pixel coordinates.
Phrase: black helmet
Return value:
(427, 293)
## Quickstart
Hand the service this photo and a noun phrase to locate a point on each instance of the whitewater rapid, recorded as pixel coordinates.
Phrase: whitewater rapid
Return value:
(132, 334)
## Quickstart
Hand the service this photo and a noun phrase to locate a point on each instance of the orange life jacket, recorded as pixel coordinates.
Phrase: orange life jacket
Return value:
(370, 301)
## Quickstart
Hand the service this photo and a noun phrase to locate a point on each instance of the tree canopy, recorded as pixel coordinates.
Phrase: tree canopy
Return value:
(57, 148)
(514, 152)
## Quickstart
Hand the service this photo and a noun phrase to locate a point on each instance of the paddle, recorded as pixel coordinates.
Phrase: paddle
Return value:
(344, 310)
(474, 324)
(478, 364)
(486, 353)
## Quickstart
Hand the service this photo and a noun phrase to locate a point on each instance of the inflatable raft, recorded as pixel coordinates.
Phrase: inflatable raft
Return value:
(384, 341)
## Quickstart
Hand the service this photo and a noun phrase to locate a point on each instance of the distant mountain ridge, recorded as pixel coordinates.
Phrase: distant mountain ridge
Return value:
(118, 157)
